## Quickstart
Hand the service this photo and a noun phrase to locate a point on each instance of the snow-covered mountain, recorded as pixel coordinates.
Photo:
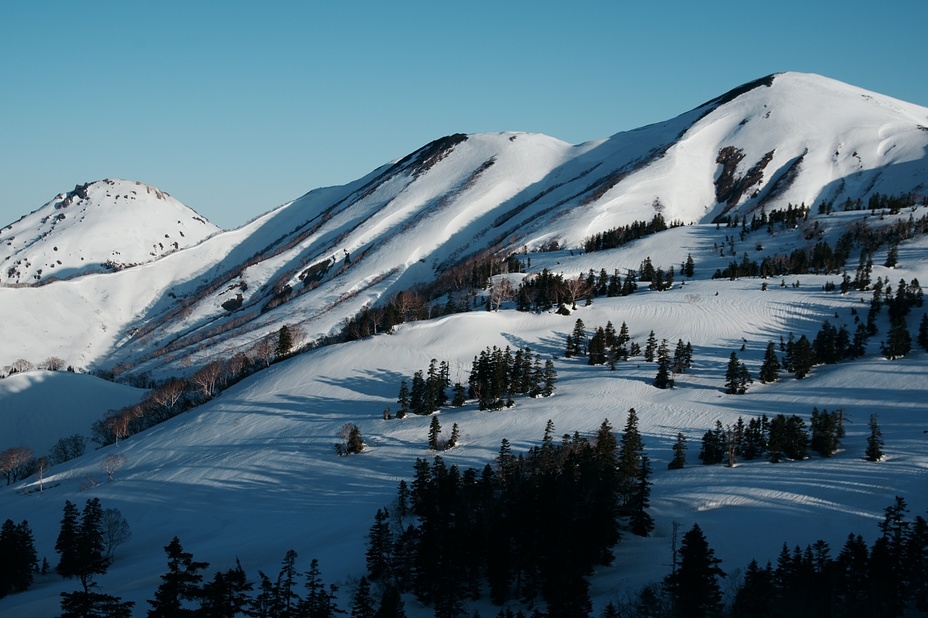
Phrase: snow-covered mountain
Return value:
(253, 472)
(99, 226)
(788, 138)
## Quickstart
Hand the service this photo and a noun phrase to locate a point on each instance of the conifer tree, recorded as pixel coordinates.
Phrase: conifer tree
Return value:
(434, 433)
(319, 601)
(579, 338)
(713, 445)
(180, 586)
(736, 376)
(403, 400)
(770, 369)
(663, 378)
(650, 348)
(362, 605)
(227, 594)
(18, 560)
(874, 441)
(284, 342)
(694, 586)
(379, 547)
(69, 562)
(640, 521)
(679, 453)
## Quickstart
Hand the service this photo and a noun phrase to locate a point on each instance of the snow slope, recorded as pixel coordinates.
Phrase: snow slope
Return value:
(253, 473)
(39, 407)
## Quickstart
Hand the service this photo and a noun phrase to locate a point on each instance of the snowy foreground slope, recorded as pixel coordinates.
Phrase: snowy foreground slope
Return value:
(787, 138)
(253, 473)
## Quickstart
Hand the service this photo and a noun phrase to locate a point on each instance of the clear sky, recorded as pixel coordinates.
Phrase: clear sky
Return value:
(236, 107)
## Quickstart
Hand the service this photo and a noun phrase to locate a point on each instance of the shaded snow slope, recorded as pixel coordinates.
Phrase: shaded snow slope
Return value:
(39, 407)
(100, 226)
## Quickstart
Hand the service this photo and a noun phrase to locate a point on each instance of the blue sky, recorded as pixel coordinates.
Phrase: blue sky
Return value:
(237, 107)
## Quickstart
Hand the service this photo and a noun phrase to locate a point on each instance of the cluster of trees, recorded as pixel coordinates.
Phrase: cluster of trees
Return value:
(19, 462)
(174, 396)
(18, 560)
(776, 438)
(889, 578)
(618, 236)
(496, 376)
(536, 524)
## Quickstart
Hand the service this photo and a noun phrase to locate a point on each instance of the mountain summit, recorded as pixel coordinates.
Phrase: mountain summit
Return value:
(99, 226)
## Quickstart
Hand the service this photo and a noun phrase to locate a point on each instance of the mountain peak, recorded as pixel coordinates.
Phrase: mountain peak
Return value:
(98, 226)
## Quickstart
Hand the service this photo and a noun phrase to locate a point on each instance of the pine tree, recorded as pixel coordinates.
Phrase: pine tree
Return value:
(874, 441)
(380, 547)
(284, 342)
(455, 436)
(403, 400)
(179, 585)
(679, 453)
(227, 595)
(736, 377)
(640, 521)
(434, 433)
(579, 338)
(391, 604)
(69, 562)
(319, 601)
(650, 348)
(694, 586)
(18, 560)
(713, 446)
(898, 340)
(631, 448)
(803, 357)
(362, 605)
(355, 443)
(663, 378)
(770, 369)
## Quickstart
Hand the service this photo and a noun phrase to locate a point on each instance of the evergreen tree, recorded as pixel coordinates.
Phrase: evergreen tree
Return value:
(90, 548)
(650, 348)
(770, 369)
(319, 601)
(756, 596)
(630, 450)
(362, 605)
(694, 586)
(18, 560)
(179, 585)
(355, 443)
(663, 378)
(69, 562)
(403, 400)
(803, 357)
(874, 450)
(550, 378)
(227, 595)
(898, 340)
(736, 376)
(579, 338)
(380, 547)
(679, 453)
(91, 604)
(455, 436)
(434, 433)
(713, 446)
(825, 430)
(284, 342)
(640, 521)
(391, 604)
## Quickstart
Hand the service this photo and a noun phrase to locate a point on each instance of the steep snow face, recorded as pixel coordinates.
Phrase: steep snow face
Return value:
(100, 226)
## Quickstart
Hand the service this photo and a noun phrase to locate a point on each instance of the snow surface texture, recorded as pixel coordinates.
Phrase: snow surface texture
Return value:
(253, 473)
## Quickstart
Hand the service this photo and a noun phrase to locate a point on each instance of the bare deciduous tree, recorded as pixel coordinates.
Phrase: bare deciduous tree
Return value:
(21, 364)
(576, 288)
(207, 377)
(500, 292)
(167, 395)
(264, 349)
(41, 467)
(111, 463)
(115, 531)
(13, 462)
(52, 363)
